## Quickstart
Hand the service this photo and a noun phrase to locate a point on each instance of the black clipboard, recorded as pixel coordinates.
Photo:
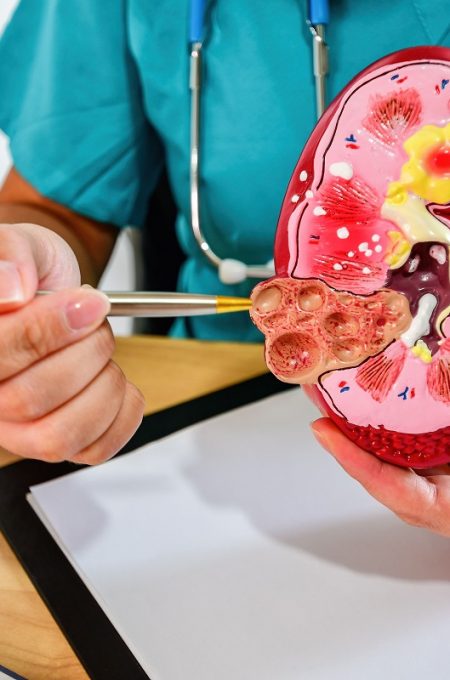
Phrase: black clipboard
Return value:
(95, 641)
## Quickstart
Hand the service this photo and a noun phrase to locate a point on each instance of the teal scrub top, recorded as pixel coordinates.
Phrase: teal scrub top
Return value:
(94, 99)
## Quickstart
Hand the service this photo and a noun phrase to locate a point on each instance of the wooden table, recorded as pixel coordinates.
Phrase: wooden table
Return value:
(168, 372)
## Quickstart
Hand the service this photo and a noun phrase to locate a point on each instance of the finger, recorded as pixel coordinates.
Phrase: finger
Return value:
(18, 271)
(123, 428)
(31, 255)
(55, 380)
(57, 266)
(400, 489)
(46, 325)
(74, 426)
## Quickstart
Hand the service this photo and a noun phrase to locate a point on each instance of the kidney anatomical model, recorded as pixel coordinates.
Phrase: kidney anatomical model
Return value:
(358, 311)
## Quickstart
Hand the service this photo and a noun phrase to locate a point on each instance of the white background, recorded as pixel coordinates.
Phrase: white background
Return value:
(120, 272)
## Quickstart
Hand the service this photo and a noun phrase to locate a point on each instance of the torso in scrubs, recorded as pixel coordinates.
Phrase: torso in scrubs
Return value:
(94, 98)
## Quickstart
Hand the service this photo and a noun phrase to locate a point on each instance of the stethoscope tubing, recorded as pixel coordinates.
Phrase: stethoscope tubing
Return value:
(233, 271)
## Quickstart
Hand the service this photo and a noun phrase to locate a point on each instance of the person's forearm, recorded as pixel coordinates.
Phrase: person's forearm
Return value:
(16, 213)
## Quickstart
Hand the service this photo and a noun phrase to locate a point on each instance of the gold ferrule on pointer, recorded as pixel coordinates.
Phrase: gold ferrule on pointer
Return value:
(232, 304)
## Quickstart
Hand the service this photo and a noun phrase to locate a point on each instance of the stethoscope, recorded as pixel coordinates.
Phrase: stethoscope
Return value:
(232, 271)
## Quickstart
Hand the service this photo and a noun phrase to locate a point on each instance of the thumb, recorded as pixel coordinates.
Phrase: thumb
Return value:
(32, 257)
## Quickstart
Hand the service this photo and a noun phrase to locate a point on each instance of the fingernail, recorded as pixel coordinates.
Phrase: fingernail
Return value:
(89, 309)
(11, 289)
(321, 437)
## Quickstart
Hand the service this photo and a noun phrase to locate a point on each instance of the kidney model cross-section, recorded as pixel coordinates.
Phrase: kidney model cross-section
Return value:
(359, 310)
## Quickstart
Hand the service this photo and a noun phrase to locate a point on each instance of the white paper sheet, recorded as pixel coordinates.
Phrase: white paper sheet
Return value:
(238, 549)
